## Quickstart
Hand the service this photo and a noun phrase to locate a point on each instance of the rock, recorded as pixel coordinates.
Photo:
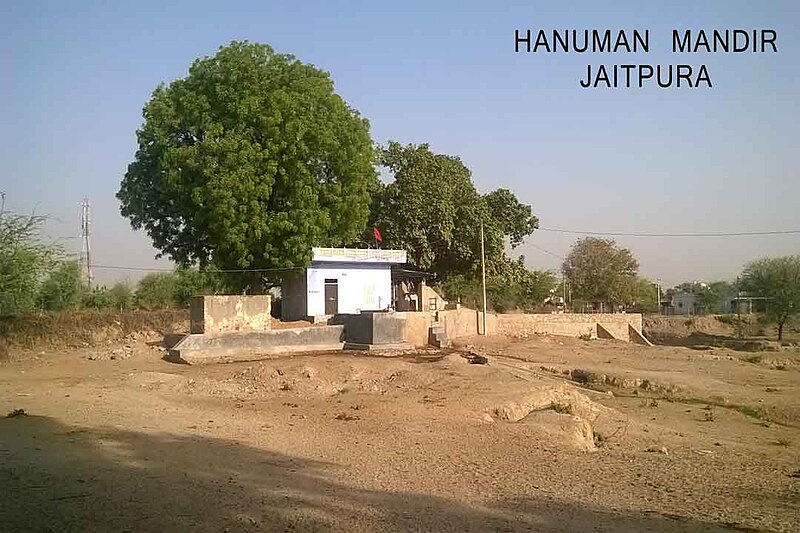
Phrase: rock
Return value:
(487, 418)
(656, 449)
(309, 372)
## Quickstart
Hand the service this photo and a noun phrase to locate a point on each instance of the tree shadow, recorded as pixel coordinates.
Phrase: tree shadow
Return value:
(60, 478)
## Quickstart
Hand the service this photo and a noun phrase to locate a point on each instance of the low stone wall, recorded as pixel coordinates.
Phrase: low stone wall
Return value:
(417, 326)
(229, 313)
(571, 325)
(254, 345)
(465, 322)
(372, 327)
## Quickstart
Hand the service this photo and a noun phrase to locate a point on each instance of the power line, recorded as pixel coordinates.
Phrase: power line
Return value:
(708, 234)
(224, 271)
(546, 251)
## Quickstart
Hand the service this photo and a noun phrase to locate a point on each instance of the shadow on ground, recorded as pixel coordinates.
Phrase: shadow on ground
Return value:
(59, 478)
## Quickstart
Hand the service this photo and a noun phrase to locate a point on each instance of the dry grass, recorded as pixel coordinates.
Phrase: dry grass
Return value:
(73, 329)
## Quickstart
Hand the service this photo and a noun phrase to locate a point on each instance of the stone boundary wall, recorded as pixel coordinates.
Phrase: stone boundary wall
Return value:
(571, 325)
(465, 322)
(229, 313)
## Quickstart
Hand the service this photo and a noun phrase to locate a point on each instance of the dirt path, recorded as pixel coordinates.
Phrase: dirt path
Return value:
(420, 443)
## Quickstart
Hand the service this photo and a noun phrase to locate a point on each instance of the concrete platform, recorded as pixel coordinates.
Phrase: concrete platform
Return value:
(254, 345)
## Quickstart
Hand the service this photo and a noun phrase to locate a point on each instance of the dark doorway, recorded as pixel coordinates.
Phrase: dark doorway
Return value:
(331, 296)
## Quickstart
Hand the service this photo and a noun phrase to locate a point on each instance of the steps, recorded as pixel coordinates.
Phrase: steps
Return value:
(437, 336)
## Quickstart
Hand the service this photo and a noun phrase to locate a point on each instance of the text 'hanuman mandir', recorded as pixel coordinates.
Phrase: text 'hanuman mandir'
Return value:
(638, 41)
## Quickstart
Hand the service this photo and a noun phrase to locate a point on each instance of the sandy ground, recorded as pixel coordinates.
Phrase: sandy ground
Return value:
(553, 434)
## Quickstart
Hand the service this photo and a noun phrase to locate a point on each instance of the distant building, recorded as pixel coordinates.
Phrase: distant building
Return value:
(341, 280)
(684, 303)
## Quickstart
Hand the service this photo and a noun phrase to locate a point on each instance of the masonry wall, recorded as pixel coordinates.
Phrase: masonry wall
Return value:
(465, 322)
(571, 325)
(417, 326)
(229, 313)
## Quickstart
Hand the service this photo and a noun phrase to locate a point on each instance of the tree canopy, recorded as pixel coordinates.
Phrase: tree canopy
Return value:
(778, 280)
(600, 271)
(248, 162)
(432, 210)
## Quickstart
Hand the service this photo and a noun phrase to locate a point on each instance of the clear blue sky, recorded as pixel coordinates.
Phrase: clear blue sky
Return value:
(75, 76)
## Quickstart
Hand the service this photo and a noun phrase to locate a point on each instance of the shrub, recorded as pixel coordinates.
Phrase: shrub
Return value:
(24, 261)
(63, 288)
(119, 297)
(156, 291)
(562, 408)
(191, 282)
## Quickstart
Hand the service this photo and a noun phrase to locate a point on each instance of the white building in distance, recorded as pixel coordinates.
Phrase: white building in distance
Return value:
(340, 280)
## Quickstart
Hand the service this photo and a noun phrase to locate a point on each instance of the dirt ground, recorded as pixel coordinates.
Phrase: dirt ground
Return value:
(553, 434)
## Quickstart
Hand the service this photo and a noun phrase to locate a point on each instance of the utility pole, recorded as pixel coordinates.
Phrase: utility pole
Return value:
(658, 295)
(86, 252)
(483, 275)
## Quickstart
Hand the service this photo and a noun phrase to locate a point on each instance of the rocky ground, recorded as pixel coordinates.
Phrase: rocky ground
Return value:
(552, 434)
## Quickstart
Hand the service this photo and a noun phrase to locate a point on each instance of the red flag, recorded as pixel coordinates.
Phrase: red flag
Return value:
(377, 235)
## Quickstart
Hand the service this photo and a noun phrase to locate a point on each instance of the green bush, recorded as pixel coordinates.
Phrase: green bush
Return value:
(191, 282)
(24, 261)
(156, 291)
(63, 288)
(119, 297)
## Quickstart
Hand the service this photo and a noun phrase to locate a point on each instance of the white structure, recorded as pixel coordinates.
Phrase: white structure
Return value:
(341, 280)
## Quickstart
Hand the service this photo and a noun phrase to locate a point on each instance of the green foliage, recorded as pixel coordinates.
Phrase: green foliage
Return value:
(777, 279)
(156, 290)
(63, 288)
(600, 271)
(513, 288)
(563, 408)
(433, 211)
(709, 299)
(645, 297)
(509, 216)
(249, 161)
(119, 297)
(24, 261)
(192, 282)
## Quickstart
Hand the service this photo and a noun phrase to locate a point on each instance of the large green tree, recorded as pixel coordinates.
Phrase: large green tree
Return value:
(600, 271)
(432, 210)
(248, 162)
(778, 280)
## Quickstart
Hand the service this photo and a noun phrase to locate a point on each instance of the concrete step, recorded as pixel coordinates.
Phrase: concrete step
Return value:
(437, 336)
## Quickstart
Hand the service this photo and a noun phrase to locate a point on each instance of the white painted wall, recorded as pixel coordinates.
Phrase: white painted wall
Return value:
(366, 287)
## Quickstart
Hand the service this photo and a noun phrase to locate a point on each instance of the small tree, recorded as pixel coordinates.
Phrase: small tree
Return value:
(156, 291)
(63, 288)
(24, 260)
(778, 280)
(600, 271)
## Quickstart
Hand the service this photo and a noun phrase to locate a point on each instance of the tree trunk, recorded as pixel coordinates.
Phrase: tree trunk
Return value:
(780, 331)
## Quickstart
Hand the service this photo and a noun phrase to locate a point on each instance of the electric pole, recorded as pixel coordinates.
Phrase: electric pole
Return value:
(483, 275)
(86, 252)
(658, 295)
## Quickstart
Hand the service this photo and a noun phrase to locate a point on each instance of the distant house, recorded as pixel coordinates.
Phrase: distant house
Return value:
(684, 303)
(341, 280)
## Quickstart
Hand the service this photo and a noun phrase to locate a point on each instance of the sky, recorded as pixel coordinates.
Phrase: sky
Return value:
(74, 77)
